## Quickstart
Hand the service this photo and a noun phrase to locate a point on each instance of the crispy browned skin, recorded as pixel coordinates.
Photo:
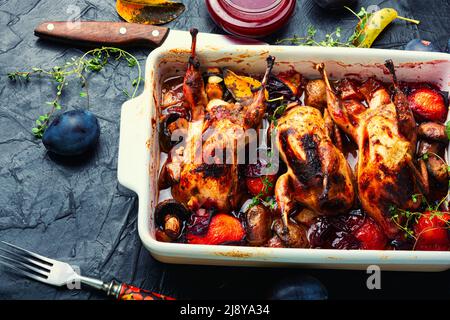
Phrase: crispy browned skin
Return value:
(318, 176)
(193, 85)
(206, 179)
(386, 136)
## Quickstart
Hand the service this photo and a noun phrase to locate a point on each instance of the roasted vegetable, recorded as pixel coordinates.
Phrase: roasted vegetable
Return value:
(214, 84)
(292, 235)
(316, 94)
(433, 153)
(241, 87)
(433, 131)
(170, 216)
(168, 125)
(149, 11)
(223, 229)
(258, 184)
(279, 93)
(293, 80)
(428, 105)
(261, 186)
(258, 223)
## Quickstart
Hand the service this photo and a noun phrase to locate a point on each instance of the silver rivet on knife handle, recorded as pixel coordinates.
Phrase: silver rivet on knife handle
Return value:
(50, 27)
(123, 30)
(155, 33)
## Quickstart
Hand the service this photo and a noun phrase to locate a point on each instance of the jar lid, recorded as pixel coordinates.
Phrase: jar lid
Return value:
(250, 18)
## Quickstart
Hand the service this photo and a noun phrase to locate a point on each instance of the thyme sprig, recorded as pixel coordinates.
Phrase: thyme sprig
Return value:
(259, 198)
(406, 219)
(278, 112)
(332, 39)
(91, 61)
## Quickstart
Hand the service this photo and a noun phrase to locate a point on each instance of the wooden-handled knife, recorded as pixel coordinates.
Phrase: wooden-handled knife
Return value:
(123, 34)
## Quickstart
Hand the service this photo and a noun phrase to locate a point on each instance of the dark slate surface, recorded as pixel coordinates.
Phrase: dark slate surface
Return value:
(77, 212)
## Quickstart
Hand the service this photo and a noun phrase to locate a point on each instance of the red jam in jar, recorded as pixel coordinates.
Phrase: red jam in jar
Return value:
(251, 18)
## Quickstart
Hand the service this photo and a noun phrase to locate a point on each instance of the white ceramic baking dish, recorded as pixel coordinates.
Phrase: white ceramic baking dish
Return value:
(139, 161)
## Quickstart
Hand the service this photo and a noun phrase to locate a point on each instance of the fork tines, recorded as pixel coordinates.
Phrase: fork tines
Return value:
(25, 262)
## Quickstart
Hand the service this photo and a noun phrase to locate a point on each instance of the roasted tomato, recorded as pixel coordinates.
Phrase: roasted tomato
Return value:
(432, 231)
(428, 105)
(222, 229)
(257, 183)
(262, 186)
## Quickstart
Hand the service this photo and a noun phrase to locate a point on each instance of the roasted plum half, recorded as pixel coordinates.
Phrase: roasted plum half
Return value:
(349, 231)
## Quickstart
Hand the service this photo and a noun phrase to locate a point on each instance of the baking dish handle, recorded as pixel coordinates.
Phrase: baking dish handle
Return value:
(132, 141)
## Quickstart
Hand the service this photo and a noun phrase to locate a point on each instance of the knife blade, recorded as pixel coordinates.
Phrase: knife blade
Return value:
(124, 34)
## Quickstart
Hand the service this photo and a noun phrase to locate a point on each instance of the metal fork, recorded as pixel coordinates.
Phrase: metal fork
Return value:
(57, 273)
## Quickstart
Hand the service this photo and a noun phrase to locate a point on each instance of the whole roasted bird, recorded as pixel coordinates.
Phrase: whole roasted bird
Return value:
(318, 176)
(385, 133)
(201, 170)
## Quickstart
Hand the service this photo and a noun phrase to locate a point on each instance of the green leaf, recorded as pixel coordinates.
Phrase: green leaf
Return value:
(93, 60)
(131, 62)
(447, 129)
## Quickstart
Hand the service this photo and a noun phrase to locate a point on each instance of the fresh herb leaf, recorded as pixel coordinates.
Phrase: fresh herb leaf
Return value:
(276, 114)
(92, 61)
(406, 219)
(332, 39)
(447, 129)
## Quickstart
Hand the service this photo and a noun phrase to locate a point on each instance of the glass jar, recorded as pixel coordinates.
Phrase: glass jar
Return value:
(251, 18)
